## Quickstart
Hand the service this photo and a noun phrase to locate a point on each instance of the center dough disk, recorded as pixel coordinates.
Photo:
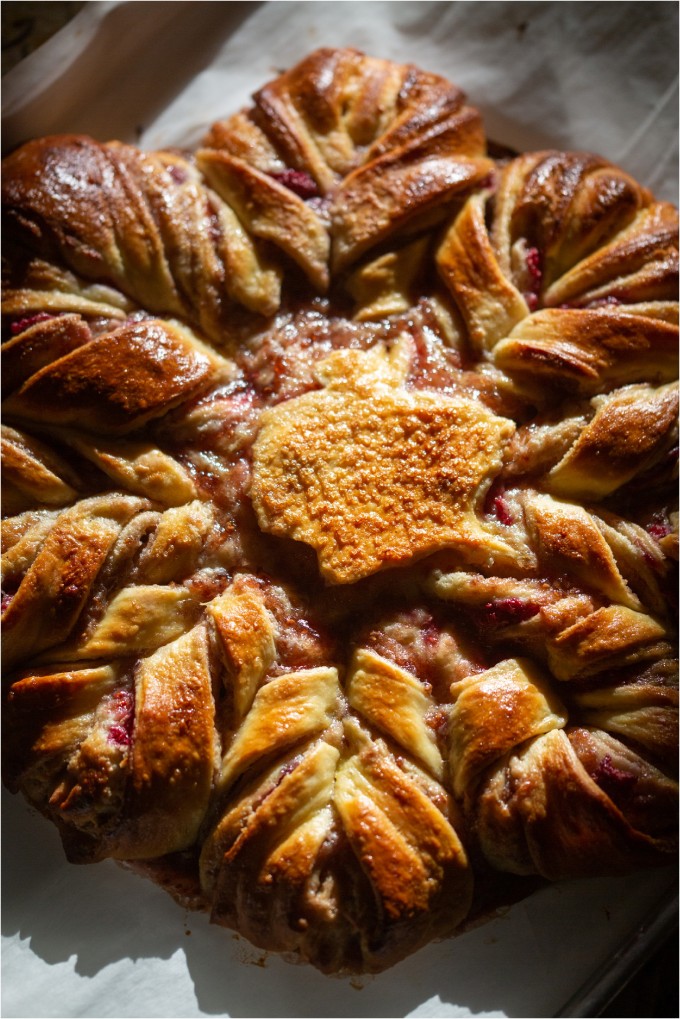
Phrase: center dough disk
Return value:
(372, 474)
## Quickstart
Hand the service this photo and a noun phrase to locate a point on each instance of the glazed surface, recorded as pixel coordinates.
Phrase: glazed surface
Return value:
(339, 535)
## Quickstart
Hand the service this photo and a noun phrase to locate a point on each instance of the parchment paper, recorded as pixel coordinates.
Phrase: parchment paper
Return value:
(96, 941)
(595, 76)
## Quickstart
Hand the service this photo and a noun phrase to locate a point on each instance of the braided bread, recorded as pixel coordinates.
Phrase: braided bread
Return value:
(339, 541)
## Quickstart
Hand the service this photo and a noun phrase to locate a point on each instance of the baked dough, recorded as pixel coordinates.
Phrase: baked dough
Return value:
(339, 540)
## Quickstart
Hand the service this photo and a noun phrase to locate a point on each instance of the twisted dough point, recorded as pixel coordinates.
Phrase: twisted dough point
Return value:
(589, 456)
(566, 274)
(96, 393)
(388, 147)
(125, 771)
(94, 386)
(144, 223)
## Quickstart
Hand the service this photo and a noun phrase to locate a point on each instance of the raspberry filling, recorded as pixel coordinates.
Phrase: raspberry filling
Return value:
(10, 586)
(178, 173)
(534, 278)
(658, 530)
(297, 181)
(508, 611)
(608, 776)
(659, 526)
(496, 505)
(22, 324)
(122, 714)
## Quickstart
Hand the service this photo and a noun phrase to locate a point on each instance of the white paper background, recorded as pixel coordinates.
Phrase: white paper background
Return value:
(595, 76)
(96, 941)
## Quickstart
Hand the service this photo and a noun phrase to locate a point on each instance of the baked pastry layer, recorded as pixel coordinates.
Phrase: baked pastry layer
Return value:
(339, 540)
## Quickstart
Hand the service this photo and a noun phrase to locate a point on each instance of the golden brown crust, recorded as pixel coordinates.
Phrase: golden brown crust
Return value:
(389, 148)
(94, 387)
(629, 432)
(52, 593)
(173, 752)
(342, 468)
(592, 351)
(271, 211)
(557, 271)
(339, 539)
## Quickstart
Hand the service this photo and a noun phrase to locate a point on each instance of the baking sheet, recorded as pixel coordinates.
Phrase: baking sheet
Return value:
(95, 941)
